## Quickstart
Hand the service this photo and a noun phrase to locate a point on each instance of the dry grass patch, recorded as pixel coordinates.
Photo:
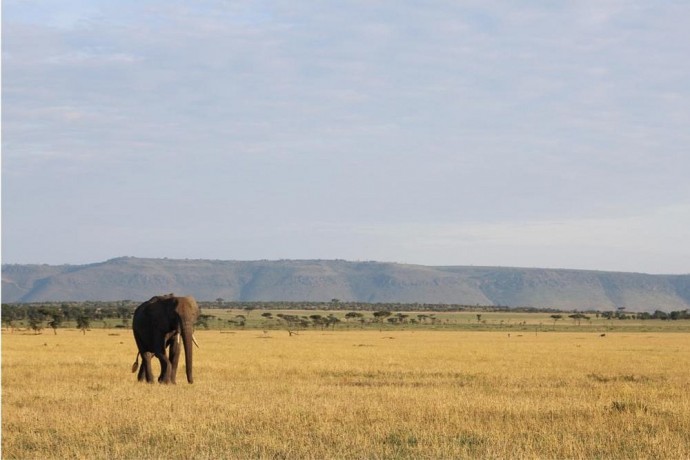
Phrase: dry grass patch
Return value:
(352, 395)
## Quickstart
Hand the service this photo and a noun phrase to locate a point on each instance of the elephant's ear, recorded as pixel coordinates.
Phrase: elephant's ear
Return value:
(175, 304)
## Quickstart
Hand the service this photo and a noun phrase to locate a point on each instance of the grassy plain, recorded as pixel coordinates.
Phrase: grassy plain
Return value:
(458, 320)
(352, 394)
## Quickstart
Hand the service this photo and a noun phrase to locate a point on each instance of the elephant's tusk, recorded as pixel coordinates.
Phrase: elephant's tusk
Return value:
(178, 339)
(194, 340)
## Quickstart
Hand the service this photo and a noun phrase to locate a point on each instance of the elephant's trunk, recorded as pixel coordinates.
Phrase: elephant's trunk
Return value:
(187, 340)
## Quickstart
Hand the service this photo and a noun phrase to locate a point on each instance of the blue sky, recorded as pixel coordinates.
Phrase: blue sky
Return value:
(538, 134)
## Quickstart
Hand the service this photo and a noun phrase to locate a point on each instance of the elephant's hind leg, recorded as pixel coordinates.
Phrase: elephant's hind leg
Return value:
(145, 370)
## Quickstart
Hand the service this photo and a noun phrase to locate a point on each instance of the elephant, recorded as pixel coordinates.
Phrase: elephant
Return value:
(158, 323)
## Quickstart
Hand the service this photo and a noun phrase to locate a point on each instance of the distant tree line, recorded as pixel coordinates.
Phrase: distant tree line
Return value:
(620, 313)
(339, 305)
(53, 315)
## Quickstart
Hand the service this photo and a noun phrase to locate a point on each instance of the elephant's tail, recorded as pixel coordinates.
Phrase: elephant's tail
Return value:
(135, 366)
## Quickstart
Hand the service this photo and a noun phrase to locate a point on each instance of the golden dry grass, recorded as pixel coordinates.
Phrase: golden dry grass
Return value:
(364, 394)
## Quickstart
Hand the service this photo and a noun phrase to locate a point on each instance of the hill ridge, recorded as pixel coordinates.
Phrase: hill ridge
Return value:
(133, 278)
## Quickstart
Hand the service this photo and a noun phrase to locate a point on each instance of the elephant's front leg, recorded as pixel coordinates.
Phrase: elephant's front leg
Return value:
(174, 348)
(165, 368)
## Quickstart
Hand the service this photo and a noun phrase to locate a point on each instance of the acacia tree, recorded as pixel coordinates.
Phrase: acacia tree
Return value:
(353, 315)
(36, 322)
(9, 315)
(83, 323)
(331, 321)
(381, 314)
(56, 321)
(578, 317)
(556, 318)
(292, 322)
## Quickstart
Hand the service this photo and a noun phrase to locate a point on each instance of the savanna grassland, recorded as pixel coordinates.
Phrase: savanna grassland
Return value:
(353, 394)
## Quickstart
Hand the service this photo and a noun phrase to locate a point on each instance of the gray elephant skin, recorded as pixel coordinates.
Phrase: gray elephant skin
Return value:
(159, 323)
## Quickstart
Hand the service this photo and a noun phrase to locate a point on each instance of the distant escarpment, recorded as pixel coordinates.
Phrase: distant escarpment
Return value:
(130, 278)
